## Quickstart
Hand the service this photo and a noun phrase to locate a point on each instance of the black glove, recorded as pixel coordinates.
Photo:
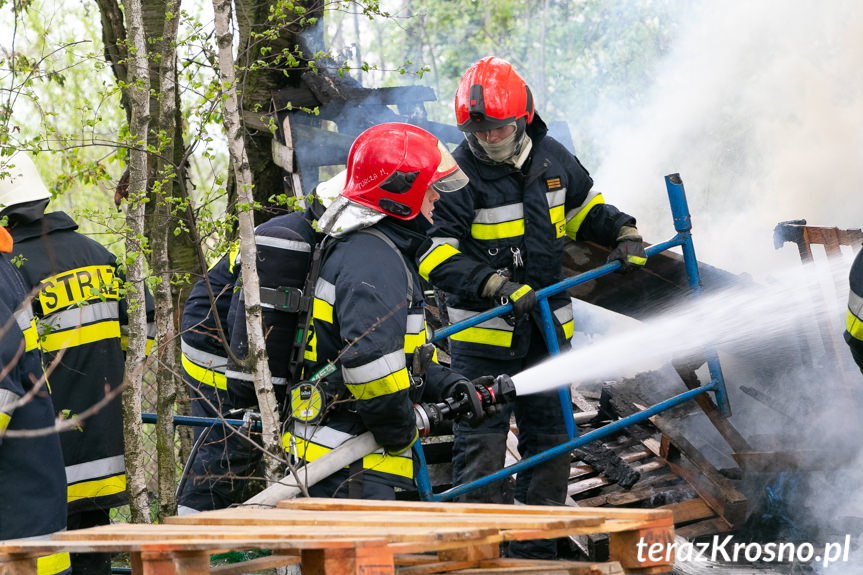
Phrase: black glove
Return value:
(629, 250)
(521, 296)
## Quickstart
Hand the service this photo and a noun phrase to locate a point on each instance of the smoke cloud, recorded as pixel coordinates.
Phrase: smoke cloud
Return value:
(759, 107)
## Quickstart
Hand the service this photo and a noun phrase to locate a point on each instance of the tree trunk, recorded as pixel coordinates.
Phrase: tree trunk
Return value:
(257, 356)
(138, 94)
(166, 329)
(257, 83)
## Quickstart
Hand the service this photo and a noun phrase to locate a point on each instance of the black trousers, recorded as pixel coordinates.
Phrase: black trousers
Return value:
(89, 563)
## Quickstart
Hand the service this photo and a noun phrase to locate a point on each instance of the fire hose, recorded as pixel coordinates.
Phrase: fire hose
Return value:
(466, 401)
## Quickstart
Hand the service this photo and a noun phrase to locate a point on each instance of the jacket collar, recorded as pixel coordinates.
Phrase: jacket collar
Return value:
(406, 239)
(52, 222)
(536, 130)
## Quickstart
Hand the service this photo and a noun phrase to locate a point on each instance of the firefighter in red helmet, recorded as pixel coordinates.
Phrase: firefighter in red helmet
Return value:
(368, 310)
(497, 240)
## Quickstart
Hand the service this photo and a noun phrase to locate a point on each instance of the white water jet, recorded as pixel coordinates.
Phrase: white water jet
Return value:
(738, 318)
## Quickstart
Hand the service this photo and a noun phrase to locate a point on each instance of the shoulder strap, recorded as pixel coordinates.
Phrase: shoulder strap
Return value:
(382, 236)
(307, 304)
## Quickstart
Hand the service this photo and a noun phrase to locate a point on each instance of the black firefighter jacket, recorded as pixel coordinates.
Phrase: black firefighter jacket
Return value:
(854, 323)
(203, 348)
(368, 319)
(79, 312)
(514, 222)
(32, 480)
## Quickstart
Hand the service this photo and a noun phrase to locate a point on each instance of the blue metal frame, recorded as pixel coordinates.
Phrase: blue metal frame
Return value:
(683, 226)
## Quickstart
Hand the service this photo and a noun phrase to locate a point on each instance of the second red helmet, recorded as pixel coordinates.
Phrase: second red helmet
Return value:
(491, 94)
(390, 167)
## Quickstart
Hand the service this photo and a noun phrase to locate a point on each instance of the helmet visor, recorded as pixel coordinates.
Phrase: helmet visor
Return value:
(448, 176)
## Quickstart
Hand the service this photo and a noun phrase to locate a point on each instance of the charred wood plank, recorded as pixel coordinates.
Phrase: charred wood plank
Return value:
(608, 463)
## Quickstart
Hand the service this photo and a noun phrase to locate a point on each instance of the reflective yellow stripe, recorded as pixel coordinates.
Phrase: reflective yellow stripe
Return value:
(413, 341)
(124, 343)
(304, 449)
(486, 336)
(497, 231)
(392, 464)
(4, 420)
(439, 255)
(384, 386)
(519, 293)
(53, 564)
(568, 329)
(854, 326)
(204, 375)
(80, 336)
(97, 488)
(558, 219)
(323, 311)
(380, 462)
(31, 338)
(637, 260)
(574, 223)
(78, 285)
(311, 351)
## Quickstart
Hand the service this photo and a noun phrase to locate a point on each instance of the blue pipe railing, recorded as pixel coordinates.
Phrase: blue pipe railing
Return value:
(683, 226)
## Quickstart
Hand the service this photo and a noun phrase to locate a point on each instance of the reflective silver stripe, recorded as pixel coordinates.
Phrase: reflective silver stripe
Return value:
(78, 316)
(590, 196)
(24, 318)
(283, 244)
(564, 313)
(415, 323)
(556, 198)
(499, 215)
(95, 469)
(209, 360)
(151, 330)
(243, 376)
(436, 243)
(326, 291)
(321, 435)
(855, 305)
(7, 399)
(329, 437)
(458, 315)
(376, 369)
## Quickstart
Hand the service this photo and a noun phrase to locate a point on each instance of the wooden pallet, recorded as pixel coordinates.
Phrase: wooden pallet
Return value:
(335, 537)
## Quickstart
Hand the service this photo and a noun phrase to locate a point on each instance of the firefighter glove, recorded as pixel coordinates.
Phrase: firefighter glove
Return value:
(629, 250)
(521, 296)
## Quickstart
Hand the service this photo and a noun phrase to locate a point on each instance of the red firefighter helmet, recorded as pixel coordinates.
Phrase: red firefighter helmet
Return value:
(390, 167)
(491, 94)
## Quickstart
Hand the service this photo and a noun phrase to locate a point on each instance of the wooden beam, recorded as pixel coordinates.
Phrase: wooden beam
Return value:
(685, 460)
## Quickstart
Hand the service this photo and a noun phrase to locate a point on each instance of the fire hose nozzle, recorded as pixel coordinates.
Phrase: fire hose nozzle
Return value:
(505, 389)
(468, 402)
